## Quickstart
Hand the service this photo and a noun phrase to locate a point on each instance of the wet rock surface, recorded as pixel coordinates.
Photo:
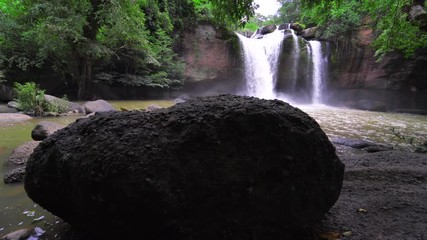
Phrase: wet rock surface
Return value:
(16, 162)
(223, 167)
(21, 154)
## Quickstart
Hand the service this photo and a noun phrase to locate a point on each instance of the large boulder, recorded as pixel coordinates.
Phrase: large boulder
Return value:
(309, 33)
(267, 29)
(224, 167)
(13, 117)
(418, 15)
(44, 129)
(97, 106)
(67, 105)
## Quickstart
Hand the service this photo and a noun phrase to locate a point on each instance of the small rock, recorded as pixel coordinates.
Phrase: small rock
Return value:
(44, 129)
(21, 234)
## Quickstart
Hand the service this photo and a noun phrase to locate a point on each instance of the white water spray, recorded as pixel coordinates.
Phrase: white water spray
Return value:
(296, 57)
(261, 58)
(318, 71)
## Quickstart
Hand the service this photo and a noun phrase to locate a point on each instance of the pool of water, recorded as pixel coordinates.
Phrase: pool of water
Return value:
(17, 211)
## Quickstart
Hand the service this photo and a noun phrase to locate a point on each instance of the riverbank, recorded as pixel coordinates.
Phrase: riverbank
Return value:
(383, 197)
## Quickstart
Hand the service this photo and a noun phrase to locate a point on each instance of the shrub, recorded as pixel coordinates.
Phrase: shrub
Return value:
(30, 97)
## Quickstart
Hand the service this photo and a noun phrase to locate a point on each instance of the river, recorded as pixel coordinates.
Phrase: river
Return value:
(17, 211)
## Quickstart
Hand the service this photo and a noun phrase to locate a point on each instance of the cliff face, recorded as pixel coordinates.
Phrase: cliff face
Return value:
(213, 61)
(357, 80)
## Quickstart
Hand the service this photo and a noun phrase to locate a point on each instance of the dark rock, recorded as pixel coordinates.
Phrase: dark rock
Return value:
(15, 175)
(353, 143)
(284, 26)
(21, 154)
(309, 33)
(98, 106)
(44, 129)
(377, 148)
(6, 93)
(224, 167)
(418, 15)
(267, 29)
(371, 105)
(297, 28)
(361, 144)
(22, 234)
(6, 109)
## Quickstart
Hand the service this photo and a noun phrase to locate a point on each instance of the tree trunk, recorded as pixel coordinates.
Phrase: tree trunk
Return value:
(90, 31)
(85, 84)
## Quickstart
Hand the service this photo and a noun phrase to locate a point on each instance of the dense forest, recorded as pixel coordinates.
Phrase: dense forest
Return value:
(135, 42)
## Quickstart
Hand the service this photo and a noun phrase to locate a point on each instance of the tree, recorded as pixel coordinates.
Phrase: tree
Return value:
(338, 19)
(125, 41)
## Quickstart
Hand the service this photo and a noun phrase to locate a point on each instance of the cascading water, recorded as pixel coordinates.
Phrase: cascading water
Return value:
(296, 58)
(261, 57)
(318, 71)
(301, 79)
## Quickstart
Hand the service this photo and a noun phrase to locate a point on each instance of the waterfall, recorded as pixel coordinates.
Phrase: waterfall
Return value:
(303, 76)
(318, 71)
(261, 57)
(296, 57)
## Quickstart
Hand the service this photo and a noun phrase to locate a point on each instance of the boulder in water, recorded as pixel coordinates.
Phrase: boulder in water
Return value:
(224, 167)
(98, 106)
(44, 129)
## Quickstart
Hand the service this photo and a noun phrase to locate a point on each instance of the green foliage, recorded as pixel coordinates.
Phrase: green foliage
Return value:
(30, 97)
(394, 31)
(225, 12)
(82, 38)
(289, 11)
(338, 19)
(418, 144)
